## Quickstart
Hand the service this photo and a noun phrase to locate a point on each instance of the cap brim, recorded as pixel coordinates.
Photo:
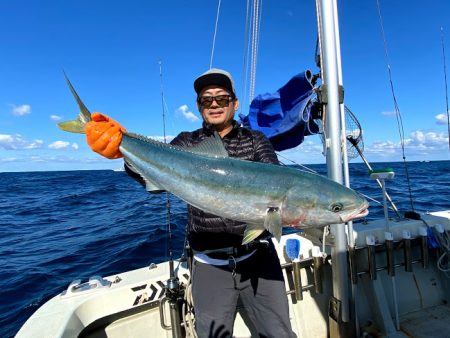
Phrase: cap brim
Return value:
(216, 79)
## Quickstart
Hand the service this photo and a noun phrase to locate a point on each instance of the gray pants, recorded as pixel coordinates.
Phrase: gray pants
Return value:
(259, 286)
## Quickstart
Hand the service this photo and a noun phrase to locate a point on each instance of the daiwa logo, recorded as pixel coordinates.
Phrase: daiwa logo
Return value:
(152, 292)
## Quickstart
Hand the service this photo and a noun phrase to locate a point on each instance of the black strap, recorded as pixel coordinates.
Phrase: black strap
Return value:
(238, 251)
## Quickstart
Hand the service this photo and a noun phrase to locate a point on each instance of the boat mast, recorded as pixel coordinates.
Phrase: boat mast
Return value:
(331, 87)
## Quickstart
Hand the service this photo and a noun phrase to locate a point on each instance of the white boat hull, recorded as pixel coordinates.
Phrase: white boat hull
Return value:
(128, 304)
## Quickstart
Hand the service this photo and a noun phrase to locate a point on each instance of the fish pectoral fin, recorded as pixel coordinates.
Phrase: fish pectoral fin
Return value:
(272, 222)
(152, 187)
(252, 231)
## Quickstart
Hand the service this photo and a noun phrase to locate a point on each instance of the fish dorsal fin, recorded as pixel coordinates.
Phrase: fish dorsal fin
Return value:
(211, 146)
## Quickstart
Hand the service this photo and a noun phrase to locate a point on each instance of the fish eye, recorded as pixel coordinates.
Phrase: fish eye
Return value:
(336, 207)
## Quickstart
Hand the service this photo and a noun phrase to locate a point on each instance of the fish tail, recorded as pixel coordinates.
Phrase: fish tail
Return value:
(77, 125)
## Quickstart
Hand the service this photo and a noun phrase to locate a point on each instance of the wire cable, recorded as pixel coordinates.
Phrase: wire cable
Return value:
(446, 90)
(215, 34)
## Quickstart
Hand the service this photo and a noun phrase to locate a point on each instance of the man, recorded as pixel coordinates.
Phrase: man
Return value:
(224, 271)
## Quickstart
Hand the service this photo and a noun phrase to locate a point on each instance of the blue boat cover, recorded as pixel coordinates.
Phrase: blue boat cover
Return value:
(284, 116)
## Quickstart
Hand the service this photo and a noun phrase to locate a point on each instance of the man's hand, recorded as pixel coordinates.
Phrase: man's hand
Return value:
(104, 135)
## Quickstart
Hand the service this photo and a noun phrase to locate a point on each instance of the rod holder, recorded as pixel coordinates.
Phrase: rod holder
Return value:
(391, 272)
(297, 280)
(407, 250)
(317, 269)
(370, 241)
(174, 300)
(352, 263)
(424, 246)
(389, 242)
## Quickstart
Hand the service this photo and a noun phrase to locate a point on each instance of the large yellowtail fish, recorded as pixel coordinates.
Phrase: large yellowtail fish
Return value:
(264, 196)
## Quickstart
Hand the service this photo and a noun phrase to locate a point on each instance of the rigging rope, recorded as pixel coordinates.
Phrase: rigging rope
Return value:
(257, 5)
(446, 90)
(251, 47)
(215, 34)
(246, 50)
(397, 109)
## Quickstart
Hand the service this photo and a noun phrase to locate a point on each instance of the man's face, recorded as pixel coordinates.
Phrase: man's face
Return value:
(215, 114)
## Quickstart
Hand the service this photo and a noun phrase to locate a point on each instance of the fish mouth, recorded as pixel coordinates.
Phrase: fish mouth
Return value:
(359, 213)
(362, 213)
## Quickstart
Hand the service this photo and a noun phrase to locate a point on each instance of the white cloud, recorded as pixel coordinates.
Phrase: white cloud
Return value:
(388, 113)
(21, 110)
(37, 159)
(310, 151)
(186, 113)
(8, 159)
(55, 118)
(36, 144)
(169, 138)
(17, 142)
(58, 145)
(382, 148)
(430, 140)
(308, 146)
(419, 144)
(441, 119)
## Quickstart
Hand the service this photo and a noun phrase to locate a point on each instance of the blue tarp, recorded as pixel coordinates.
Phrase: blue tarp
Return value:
(284, 116)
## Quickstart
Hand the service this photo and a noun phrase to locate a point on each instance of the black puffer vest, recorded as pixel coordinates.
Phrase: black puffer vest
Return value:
(207, 231)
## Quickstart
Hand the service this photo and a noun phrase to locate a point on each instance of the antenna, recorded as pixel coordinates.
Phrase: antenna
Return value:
(446, 90)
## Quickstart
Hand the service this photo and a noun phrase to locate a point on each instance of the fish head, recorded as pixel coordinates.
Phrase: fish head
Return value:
(321, 203)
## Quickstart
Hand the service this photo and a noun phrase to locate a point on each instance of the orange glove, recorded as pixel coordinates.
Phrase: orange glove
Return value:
(104, 135)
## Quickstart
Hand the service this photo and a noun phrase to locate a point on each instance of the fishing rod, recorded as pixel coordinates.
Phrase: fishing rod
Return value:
(398, 115)
(174, 292)
(169, 226)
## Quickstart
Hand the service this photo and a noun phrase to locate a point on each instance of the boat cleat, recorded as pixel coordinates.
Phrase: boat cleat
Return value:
(77, 287)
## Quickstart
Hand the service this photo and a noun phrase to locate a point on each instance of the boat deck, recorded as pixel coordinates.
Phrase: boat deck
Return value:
(427, 323)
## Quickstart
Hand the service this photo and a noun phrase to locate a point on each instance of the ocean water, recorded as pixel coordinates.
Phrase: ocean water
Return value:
(56, 227)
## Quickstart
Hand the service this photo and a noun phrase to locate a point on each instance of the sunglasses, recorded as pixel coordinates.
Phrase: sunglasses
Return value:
(222, 100)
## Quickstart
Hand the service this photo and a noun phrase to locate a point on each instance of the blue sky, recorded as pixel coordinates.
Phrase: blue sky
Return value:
(111, 52)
